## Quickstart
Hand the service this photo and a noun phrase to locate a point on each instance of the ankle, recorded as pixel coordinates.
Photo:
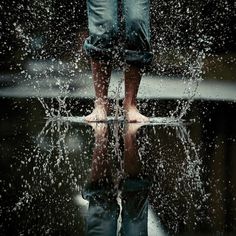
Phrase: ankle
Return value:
(101, 103)
(127, 105)
(130, 107)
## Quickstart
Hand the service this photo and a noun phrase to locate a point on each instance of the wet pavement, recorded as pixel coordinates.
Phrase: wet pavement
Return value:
(71, 178)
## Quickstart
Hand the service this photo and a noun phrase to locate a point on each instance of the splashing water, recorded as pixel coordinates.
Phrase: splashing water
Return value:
(50, 141)
(163, 44)
(48, 36)
(54, 75)
(193, 76)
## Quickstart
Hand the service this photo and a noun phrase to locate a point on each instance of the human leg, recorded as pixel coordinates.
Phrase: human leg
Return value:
(101, 72)
(103, 28)
(132, 76)
(137, 53)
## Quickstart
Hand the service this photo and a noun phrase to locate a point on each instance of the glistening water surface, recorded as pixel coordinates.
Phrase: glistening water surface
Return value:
(61, 178)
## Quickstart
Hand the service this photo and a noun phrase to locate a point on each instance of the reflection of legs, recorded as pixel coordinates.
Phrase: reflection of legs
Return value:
(101, 75)
(135, 189)
(132, 164)
(100, 165)
(103, 208)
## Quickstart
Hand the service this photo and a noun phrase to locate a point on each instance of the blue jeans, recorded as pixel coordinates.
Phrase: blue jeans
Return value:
(104, 31)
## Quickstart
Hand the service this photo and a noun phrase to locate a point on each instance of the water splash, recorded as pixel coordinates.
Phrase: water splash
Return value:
(192, 79)
(52, 167)
(177, 176)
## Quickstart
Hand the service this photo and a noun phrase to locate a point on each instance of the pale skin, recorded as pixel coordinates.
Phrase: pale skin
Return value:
(101, 77)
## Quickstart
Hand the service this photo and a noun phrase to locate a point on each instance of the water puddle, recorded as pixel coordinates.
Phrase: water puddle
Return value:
(165, 176)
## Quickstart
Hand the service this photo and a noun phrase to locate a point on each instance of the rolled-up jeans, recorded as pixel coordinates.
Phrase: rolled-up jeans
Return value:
(104, 31)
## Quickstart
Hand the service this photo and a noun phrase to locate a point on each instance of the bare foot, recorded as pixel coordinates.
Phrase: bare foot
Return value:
(99, 113)
(132, 115)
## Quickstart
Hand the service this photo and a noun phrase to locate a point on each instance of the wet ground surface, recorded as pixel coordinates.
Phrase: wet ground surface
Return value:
(60, 178)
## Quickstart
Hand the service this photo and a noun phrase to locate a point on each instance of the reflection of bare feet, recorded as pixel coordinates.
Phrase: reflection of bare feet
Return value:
(134, 116)
(100, 129)
(99, 113)
(132, 128)
(100, 163)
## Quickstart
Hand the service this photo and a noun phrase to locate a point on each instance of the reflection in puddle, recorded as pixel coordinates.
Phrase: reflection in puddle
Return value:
(123, 170)
(104, 191)
(183, 175)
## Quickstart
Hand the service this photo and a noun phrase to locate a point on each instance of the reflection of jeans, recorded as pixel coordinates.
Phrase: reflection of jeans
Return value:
(104, 28)
(102, 217)
(103, 209)
(135, 208)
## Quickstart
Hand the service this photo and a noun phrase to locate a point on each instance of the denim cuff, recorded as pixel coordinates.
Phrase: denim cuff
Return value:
(99, 190)
(141, 58)
(135, 184)
(96, 52)
(138, 57)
